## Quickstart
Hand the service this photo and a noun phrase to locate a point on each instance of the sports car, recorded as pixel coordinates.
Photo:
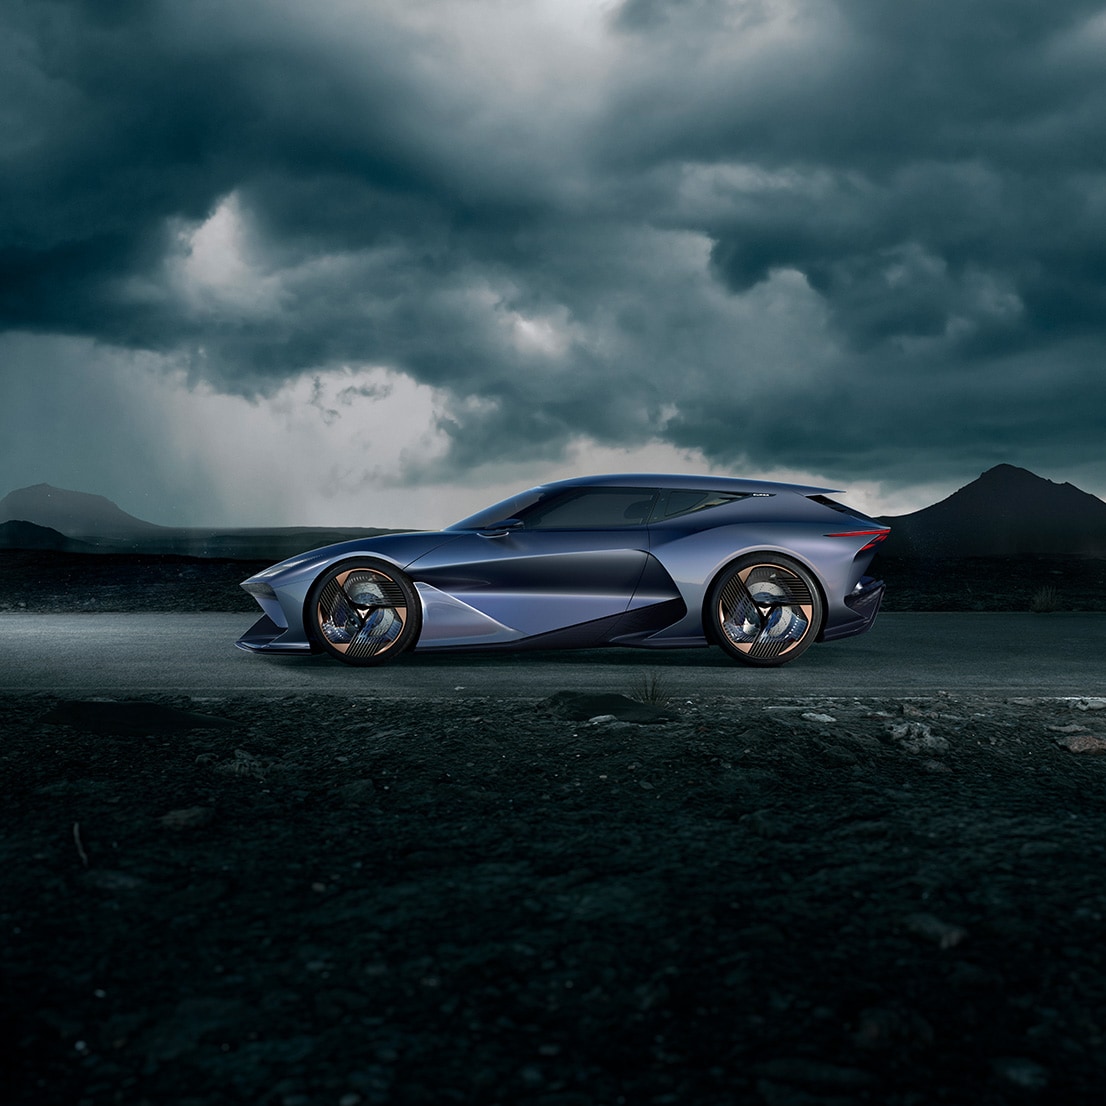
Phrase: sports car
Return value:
(761, 569)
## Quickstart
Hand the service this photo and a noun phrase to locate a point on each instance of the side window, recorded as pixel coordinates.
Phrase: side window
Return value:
(592, 509)
(678, 501)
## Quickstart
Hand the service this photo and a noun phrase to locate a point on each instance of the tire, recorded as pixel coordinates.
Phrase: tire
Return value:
(764, 610)
(363, 612)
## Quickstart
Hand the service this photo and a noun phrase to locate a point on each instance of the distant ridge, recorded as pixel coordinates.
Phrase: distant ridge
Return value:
(17, 534)
(75, 514)
(1006, 511)
(93, 524)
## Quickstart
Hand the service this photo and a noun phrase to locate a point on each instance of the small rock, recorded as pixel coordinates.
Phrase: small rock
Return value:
(577, 706)
(936, 766)
(242, 764)
(1024, 1073)
(189, 817)
(1072, 727)
(532, 1076)
(1082, 743)
(931, 928)
(814, 716)
(917, 737)
(1091, 704)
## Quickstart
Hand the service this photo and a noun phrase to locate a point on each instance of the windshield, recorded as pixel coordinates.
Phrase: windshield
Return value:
(557, 507)
(497, 512)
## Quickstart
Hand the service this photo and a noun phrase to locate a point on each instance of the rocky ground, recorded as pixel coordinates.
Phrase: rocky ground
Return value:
(349, 902)
(62, 582)
(994, 583)
(345, 902)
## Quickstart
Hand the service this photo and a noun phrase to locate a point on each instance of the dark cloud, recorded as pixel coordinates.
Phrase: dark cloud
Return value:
(843, 236)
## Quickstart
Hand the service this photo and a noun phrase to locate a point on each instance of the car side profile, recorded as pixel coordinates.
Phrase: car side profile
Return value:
(762, 570)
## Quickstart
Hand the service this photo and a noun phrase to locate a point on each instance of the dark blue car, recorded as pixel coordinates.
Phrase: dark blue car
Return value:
(761, 569)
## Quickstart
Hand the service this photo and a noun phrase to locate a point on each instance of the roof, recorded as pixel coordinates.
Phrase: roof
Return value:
(681, 480)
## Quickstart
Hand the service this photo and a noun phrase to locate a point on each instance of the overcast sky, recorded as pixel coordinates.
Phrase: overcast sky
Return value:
(378, 262)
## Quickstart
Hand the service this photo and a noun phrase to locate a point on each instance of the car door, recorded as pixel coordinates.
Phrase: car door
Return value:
(570, 560)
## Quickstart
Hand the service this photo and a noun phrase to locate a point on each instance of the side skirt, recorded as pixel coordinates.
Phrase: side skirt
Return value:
(626, 628)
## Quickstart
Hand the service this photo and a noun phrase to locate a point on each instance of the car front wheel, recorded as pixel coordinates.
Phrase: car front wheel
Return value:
(765, 610)
(363, 612)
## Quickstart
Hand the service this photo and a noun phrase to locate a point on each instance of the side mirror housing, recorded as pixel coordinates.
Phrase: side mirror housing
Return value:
(501, 529)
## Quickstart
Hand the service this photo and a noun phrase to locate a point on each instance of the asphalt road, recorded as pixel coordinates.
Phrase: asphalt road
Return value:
(129, 655)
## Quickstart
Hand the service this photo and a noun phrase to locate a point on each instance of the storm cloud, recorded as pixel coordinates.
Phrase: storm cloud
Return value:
(845, 237)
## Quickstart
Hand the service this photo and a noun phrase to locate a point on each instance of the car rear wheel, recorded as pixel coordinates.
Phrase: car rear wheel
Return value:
(765, 610)
(363, 612)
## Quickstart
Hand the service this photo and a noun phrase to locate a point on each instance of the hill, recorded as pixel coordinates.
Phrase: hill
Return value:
(94, 524)
(75, 514)
(18, 534)
(1007, 511)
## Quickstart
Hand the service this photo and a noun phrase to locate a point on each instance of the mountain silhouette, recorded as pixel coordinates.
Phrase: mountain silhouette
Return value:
(75, 514)
(83, 518)
(17, 534)
(1007, 511)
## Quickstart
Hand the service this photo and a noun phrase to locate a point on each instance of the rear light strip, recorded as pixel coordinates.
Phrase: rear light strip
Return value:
(878, 536)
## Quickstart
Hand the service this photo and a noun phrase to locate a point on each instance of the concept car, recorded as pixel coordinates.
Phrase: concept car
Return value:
(761, 569)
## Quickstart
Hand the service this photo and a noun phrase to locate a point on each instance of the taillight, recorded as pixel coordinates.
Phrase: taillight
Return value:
(877, 536)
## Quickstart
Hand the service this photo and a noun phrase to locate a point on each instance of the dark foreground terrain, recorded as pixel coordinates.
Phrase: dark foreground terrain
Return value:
(301, 901)
(298, 901)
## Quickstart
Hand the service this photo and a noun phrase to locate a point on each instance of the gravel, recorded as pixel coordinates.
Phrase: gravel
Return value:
(305, 900)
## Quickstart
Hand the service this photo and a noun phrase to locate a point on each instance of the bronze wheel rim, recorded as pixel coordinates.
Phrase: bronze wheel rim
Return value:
(361, 613)
(765, 611)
